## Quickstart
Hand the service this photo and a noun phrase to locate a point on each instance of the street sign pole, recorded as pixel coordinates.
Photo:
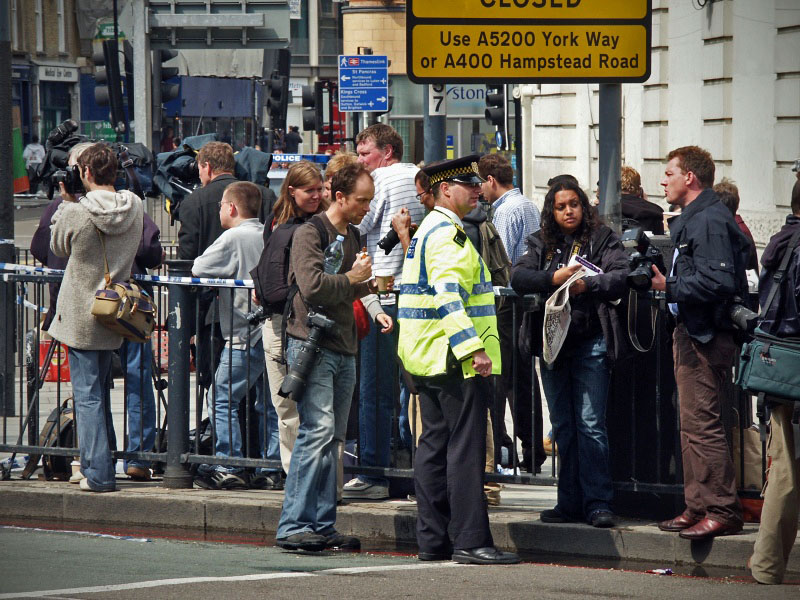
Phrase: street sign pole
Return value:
(434, 122)
(142, 112)
(610, 162)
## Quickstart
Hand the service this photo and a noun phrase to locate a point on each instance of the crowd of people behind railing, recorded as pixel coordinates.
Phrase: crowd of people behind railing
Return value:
(378, 260)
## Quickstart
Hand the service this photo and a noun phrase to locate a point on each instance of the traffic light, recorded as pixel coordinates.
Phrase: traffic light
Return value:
(277, 100)
(161, 75)
(313, 111)
(278, 90)
(497, 113)
(108, 84)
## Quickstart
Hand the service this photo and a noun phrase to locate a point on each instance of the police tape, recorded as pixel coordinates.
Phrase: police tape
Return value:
(4, 242)
(207, 281)
(21, 300)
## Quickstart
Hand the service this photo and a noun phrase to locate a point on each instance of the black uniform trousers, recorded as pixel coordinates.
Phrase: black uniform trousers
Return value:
(449, 465)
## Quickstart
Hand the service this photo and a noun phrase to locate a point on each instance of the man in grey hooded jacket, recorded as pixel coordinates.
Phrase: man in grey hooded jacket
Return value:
(104, 222)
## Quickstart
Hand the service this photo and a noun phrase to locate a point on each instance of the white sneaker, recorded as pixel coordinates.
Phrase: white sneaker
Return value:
(85, 487)
(77, 477)
(356, 489)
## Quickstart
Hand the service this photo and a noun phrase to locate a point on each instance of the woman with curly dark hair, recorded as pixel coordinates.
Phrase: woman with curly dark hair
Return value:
(576, 383)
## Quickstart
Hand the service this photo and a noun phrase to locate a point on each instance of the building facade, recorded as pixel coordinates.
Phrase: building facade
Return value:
(45, 64)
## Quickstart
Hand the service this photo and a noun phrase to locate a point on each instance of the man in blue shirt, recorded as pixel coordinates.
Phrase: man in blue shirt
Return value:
(515, 217)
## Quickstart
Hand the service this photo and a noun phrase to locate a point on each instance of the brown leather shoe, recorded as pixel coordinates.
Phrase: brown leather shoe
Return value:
(679, 523)
(708, 528)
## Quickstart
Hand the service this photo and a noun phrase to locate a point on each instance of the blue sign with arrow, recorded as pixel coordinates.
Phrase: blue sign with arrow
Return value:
(363, 83)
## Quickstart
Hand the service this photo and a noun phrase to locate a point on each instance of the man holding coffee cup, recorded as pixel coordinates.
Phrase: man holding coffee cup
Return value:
(380, 149)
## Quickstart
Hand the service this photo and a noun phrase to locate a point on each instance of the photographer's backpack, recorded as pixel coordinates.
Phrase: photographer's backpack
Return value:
(769, 366)
(57, 432)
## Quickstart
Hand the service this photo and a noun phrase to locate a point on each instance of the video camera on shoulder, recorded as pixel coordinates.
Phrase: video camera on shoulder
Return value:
(642, 255)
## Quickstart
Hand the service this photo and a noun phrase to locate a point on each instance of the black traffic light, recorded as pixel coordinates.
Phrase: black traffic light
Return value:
(313, 110)
(108, 84)
(277, 100)
(164, 91)
(278, 90)
(497, 112)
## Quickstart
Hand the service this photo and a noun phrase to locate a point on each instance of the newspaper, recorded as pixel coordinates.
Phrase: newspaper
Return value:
(558, 313)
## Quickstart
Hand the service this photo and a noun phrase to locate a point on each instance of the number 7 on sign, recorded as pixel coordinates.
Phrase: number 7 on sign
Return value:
(437, 100)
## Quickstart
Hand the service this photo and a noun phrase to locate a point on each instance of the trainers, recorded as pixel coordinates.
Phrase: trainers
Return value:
(138, 473)
(220, 480)
(84, 484)
(308, 541)
(77, 477)
(601, 518)
(357, 489)
(339, 541)
(267, 481)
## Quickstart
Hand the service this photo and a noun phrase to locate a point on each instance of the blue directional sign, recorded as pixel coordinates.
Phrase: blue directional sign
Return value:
(363, 83)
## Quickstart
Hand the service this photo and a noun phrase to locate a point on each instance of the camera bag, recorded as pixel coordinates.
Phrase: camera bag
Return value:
(124, 307)
(769, 366)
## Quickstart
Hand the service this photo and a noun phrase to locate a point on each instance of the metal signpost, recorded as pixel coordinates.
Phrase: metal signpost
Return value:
(363, 83)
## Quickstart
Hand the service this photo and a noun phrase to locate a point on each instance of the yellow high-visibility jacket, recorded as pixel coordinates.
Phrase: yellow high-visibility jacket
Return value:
(446, 300)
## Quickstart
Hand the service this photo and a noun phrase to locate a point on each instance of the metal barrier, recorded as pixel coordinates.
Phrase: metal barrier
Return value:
(642, 415)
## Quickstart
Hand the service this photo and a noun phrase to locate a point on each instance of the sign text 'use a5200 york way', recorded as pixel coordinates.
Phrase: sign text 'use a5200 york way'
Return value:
(529, 40)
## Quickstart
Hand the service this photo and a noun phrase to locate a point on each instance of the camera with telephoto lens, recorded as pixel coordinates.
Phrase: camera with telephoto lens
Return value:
(642, 255)
(295, 381)
(391, 239)
(70, 176)
(256, 316)
(743, 318)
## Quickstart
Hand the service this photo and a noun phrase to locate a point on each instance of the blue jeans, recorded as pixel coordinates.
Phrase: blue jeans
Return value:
(577, 393)
(231, 385)
(137, 363)
(268, 437)
(91, 375)
(376, 400)
(309, 502)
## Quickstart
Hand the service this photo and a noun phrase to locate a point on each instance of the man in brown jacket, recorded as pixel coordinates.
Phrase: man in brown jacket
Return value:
(309, 505)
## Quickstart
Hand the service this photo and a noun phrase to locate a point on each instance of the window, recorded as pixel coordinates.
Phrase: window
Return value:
(62, 28)
(39, 27)
(14, 26)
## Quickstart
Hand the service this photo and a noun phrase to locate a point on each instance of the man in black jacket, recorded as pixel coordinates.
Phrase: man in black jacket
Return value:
(778, 528)
(200, 226)
(708, 272)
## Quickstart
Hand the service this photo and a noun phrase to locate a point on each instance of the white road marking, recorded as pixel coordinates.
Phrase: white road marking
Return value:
(53, 594)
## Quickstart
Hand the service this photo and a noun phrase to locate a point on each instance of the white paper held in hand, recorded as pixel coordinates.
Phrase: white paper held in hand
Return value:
(557, 317)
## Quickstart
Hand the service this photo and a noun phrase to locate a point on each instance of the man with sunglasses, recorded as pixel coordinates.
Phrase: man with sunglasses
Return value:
(449, 344)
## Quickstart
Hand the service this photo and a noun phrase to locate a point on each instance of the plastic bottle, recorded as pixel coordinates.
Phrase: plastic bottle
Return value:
(334, 255)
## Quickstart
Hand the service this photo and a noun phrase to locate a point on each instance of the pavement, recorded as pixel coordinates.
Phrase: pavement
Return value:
(150, 508)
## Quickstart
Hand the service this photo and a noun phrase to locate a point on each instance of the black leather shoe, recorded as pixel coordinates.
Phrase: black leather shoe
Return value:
(310, 542)
(434, 556)
(488, 555)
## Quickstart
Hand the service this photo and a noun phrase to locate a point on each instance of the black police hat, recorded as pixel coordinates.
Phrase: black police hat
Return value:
(462, 170)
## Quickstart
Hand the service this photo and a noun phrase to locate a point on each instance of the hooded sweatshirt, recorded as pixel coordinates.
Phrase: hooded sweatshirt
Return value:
(74, 234)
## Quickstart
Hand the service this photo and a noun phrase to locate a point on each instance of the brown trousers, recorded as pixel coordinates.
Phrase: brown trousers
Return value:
(702, 373)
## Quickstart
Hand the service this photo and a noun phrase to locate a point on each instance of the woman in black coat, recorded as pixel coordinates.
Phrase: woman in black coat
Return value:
(576, 384)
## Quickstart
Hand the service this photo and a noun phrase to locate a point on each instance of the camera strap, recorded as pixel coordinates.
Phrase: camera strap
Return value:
(130, 173)
(633, 317)
(777, 278)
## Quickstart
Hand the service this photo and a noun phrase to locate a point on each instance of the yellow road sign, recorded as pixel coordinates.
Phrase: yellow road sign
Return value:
(520, 52)
(500, 41)
(530, 9)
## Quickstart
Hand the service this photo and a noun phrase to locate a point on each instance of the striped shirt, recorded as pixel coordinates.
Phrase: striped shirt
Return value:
(394, 189)
(515, 217)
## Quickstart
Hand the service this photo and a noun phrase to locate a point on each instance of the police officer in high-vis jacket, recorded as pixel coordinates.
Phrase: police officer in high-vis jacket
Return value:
(449, 344)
